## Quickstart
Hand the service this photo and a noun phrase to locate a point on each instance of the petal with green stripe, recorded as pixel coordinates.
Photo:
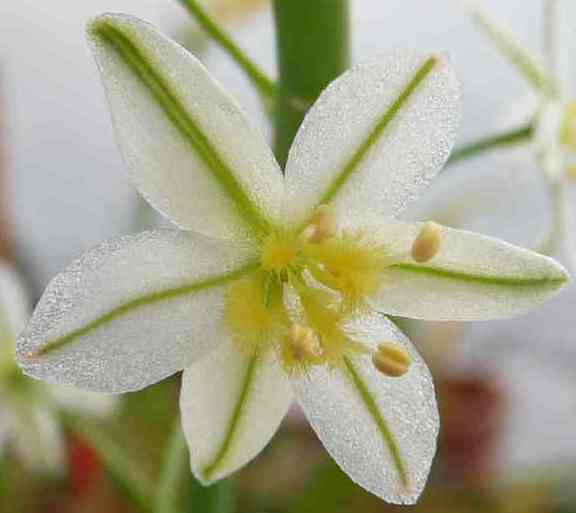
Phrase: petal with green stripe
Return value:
(381, 431)
(132, 311)
(375, 137)
(509, 47)
(188, 146)
(232, 404)
(473, 277)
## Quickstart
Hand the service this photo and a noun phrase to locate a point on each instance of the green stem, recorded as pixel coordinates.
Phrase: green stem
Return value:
(490, 143)
(262, 82)
(172, 471)
(116, 462)
(312, 39)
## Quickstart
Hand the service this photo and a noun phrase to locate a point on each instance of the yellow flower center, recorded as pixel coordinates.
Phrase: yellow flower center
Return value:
(331, 275)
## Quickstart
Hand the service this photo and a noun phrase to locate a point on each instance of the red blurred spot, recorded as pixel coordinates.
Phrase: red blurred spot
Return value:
(85, 467)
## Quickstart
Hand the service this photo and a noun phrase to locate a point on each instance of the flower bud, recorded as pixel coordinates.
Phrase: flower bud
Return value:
(392, 360)
(427, 244)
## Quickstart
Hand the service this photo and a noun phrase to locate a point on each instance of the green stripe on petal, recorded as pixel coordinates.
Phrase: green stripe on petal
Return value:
(232, 429)
(133, 310)
(187, 144)
(374, 138)
(472, 277)
(387, 435)
(231, 404)
(157, 297)
(388, 117)
(514, 53)
(551, 283)
(380, 430)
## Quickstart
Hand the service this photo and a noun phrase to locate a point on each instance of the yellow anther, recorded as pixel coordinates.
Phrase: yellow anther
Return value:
(426, 246)
(392, 360)
(322, 225)
(303, 342)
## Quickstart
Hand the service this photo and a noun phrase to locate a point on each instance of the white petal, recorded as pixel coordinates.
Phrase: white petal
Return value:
(473, 277)
(189, 148)
(14, 307)
(132, 311)
(566, 46)
(561, 243)
(495, 195)
(375, 137)
(232, 405)
(514, 52)
(335, 402)
(77, 400)
(37, 438)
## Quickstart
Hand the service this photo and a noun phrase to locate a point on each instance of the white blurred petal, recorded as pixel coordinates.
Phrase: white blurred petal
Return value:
(231, 407)
(473, 277)
(37, 438)
(528, 65)
(78, 400)
(340, 416)
(327, 162)
(132, 311)
(566, 52)
(14, 306)
(495, 195)
(188, 146)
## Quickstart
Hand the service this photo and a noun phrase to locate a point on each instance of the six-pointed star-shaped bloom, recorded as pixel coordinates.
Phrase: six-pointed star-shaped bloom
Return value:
(553, 137)
(29, 421)
(274, 284)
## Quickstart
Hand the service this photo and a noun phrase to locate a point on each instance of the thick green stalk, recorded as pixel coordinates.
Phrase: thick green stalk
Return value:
(175, 463)
(313, 48)
(493, 142)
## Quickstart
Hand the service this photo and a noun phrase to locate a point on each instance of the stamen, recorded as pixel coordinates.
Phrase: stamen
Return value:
(391, 360)
(322, 225)
(426, 246)
(304, 343)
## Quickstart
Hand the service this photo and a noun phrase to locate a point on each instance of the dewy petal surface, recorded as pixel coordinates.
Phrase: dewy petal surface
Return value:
(132, 311)
(376, 136)
(389, 456)
(473, 277)
(188, 146)
(232, 404)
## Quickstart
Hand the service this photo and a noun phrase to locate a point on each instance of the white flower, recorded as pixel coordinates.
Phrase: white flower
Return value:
(29, 411)
(273, 286)
(531, 357)
(553, 79)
